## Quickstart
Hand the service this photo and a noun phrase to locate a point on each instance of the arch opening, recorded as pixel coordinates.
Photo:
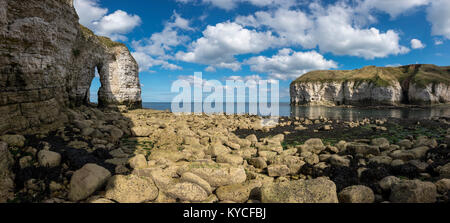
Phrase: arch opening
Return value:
(95, 87)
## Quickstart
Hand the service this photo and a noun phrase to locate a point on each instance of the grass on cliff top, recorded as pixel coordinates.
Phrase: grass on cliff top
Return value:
(432, 74)
(104, 40)
(382, 76)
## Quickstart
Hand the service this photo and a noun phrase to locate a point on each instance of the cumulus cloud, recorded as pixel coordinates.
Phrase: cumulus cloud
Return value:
(335, 33)
(146, 62)
(231, 4)
(438, 14)
(155, 50)
(417, 44)
(220, 43)
(333, 28)
(288, 64)
(96, 18)
(393, 8)
(293, 27)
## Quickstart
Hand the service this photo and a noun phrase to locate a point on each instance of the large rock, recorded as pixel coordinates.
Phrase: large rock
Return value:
(216, 174)
(6, 175)
(230, 158)
(13, 140)
(138, 162)
(141, 131)
(320, 190)
(356, 194)
(187, 192)
(312, 145)
(48, 62)
(444, 171)
(131, 189)
(192, 178)
(239, 193)
(86, 181)
(276, 170)
(413, 191)
(48, 158)
(443, 185)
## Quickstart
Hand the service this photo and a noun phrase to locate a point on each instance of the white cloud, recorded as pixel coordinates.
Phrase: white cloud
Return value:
(393, 8)
(417, 44)
(114, 25)
(89, 11)
(232, 4)
(146, 62)
(220, 43)
(155, 50)
(288, 64)
(393, 65)
(333, 28)
(438, 42)
(294, 27)
(439, 17)
(335, 33)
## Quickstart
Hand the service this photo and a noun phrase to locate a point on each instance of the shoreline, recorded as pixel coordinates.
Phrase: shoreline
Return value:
(224, 158)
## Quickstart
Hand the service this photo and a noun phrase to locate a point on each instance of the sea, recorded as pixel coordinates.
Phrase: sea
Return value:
(341, 113)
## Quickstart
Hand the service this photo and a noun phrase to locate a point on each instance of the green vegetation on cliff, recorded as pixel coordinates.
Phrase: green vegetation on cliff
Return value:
(87, 33)
(420, 74)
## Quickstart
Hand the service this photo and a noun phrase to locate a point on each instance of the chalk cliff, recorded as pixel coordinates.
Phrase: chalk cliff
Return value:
(48, 61)
(413, 84)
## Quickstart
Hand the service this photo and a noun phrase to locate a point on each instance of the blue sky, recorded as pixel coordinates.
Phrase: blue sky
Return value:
(267, 39)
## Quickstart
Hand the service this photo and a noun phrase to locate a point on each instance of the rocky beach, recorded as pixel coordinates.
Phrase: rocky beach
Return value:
(58, 147)
(106, 156)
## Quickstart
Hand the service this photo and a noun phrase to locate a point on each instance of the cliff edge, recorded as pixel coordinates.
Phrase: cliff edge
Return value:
(418, 84)
(48, 61)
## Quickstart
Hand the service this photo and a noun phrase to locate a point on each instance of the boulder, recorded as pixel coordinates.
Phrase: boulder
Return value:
(218, 149)
(192, 178)
(405, 143)
(48, 158)
(131, 189)
(387, 182)
(6, 175)
(443, 185)
(294, 163)
(86, 181)
(13, 140)
(381, 160)
(413, 191)
(382, 143)
(444, 171)
(138, 162)
(276, 170)
(141, 131)
(363, 149)
(258, 162)
(187, 192)
(320, 190)
(356, 194)
(238, 193)
(230, 158)
(313, 145)
(216, 174)
(339, 161)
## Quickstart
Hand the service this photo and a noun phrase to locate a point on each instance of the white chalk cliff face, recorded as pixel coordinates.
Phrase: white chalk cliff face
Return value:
(351, 92)
(345, 93)
(47, 63)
